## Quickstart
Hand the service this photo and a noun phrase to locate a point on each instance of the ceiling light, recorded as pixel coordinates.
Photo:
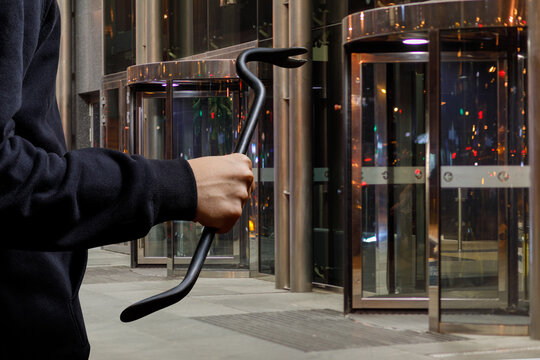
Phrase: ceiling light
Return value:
(415, 41)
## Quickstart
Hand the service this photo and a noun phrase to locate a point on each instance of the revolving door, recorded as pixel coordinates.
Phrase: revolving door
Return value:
(439, 163)
(188, 109)
(388, 166)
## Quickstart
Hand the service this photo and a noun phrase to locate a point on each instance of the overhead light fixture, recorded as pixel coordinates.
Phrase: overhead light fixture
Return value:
(223, 3)
(415, 41)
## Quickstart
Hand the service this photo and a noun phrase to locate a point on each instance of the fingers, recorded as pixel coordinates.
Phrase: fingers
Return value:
(245, 168)
(229, 222)
(246, 173)
(241, 158)
(224, 185)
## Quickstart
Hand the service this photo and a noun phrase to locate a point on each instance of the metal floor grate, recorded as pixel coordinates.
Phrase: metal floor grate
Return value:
(319, 330)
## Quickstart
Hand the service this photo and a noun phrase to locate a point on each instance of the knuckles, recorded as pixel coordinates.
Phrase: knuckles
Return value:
(236, 176)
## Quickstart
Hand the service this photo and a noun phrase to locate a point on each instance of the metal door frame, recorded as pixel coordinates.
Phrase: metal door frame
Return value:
(435, 180)
(432, 177)
(358, 302)
(110, 82)
(188, 74)
(139, 130)
(138, 121)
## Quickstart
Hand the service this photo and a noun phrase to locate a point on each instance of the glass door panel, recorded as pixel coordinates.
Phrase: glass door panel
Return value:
(484, 181)
(111, 132)
(389, 179)
(205, 122)
(152, 133)
(111, 128)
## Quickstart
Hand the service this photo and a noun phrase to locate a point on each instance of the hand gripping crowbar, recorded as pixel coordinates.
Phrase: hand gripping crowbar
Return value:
(278, 57)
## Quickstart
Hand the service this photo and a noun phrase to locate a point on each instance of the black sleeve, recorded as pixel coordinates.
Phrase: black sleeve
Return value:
(50, 200)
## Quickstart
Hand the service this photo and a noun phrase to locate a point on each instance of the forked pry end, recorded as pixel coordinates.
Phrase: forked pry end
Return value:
(284, 59)
(278, 57)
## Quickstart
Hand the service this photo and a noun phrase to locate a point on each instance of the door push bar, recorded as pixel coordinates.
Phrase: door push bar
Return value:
(278, 57)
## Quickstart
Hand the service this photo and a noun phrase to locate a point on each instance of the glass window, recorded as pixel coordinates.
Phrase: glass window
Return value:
(265, 20)
(396, 2)
(206, 123)
(153, 145)
(203, 126)
(119, 32)
(328, 157)
(261, 203)
(484, 204)
(111, 133)
(331, 12)
(194, 27)
(96, 123)
(206, 120)
(392, 182)
(264, 162)
(231, 22)
(185, 25)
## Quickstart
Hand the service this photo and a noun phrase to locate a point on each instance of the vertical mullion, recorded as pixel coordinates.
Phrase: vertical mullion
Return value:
(433, 181)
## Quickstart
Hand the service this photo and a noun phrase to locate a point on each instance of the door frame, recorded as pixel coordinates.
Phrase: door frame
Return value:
(432, 171)
(358, 301)
(222, 261)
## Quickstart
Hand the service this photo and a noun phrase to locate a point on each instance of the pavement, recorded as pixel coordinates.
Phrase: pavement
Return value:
(249, 319)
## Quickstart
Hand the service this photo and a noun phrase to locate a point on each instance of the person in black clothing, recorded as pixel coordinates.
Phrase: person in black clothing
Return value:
(54, 204)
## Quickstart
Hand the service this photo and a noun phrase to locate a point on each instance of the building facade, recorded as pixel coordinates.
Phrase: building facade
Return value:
(393, 168)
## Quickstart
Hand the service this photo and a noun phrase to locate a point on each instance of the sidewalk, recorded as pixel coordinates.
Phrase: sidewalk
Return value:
(246, 319)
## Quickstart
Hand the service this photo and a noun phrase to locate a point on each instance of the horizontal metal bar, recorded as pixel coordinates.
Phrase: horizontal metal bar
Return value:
(267, 174)
(486, 177)
(385, 175)
(216, 274)
(212, 260)
(405, 57)
(390, 303)
(320, 174)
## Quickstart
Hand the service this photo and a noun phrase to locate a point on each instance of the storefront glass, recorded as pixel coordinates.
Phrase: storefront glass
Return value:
(185, 28)
(111, 130)
(328, 154)
(264, 162)
(194, 27)
(190, 120)
(265, 20)
(439, 164)
(329, 12)
(119, 33)
(204, 124)
(153, 145)
(390, 191)
(231, 22)
(484, 184)
(328, 137)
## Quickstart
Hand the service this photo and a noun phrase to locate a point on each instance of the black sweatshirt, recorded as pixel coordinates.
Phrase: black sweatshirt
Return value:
(56, 204)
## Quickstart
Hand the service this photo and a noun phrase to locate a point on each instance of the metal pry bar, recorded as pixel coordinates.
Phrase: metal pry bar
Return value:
(278, 57)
